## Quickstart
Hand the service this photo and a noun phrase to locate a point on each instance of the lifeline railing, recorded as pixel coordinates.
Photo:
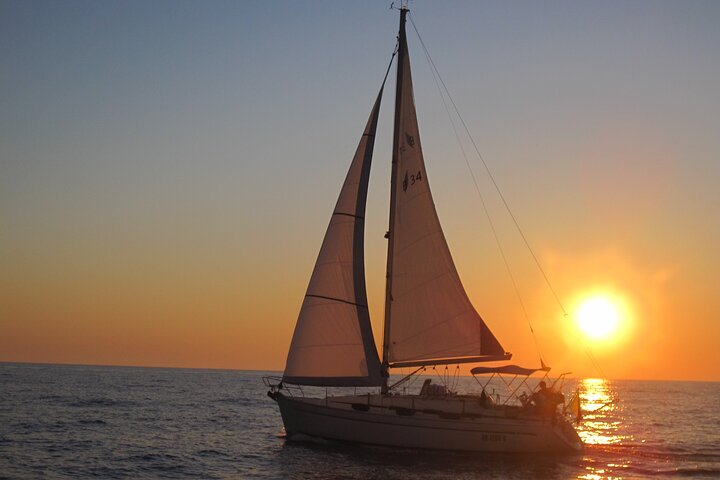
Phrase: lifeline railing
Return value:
(275, 384)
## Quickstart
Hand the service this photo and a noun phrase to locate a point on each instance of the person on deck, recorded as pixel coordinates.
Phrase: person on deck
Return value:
(540, 397)
(545, 400)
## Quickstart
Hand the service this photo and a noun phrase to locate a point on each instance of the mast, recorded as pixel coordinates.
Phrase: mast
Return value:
(402, 52)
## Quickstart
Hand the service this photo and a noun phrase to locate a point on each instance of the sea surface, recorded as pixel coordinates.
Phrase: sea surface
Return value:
(122, 422)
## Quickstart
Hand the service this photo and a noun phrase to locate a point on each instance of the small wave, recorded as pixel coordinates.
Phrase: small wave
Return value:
(104, 471)
(59, 448)
(302, 438)
(38, 425)
(236, 401)
(700, 457)
(159, 464)
(694, 472)
(674, 472)
(655, 451)
(52, 398)
(91, 421)
(210, 453)
(153, 457)
(98, 402)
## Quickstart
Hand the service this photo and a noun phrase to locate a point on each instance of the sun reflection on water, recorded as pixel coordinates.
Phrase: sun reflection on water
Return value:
(602, 427)
(602, 416)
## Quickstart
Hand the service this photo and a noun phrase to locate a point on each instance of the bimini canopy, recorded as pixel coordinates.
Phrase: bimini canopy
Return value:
(509, 369)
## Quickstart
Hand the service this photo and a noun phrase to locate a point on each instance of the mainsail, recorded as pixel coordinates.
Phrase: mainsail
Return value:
(333, 343)
(429, 318)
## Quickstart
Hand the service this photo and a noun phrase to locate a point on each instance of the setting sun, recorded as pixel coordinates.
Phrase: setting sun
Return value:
(603, 317)
(598, 317)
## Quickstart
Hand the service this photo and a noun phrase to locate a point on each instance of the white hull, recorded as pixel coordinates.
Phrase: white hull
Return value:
(411, 421)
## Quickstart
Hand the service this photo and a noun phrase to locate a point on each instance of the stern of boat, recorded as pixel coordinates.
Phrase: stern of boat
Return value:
(568, 435)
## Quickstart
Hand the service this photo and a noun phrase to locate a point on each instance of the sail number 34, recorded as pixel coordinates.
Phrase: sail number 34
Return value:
(411, 179)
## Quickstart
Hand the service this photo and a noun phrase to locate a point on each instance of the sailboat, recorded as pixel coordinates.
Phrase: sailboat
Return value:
(429, 321)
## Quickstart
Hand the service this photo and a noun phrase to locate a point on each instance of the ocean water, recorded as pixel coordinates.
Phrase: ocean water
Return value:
(118, 422)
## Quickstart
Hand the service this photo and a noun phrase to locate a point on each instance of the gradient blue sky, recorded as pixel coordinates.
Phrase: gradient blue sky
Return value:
(167, 169)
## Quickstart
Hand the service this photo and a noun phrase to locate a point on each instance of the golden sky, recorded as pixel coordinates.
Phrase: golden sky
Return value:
(164, 191)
